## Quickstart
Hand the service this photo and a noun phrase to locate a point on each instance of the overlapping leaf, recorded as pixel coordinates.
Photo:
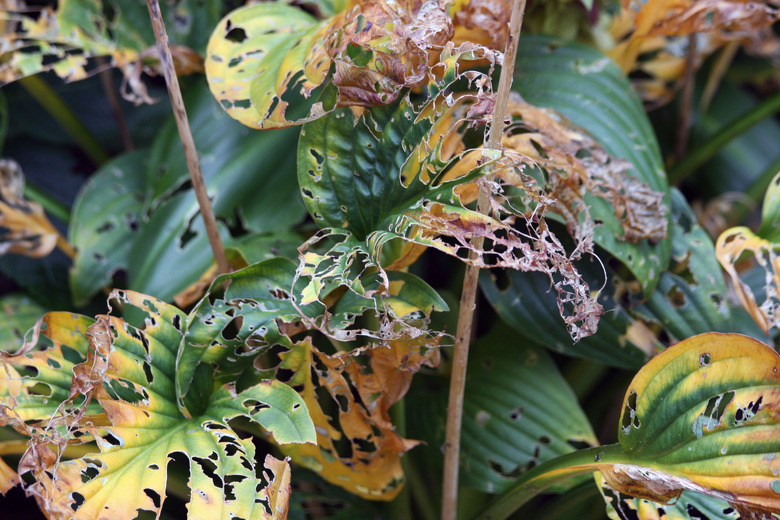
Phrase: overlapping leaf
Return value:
(518, 412)
(128, 367)
(740, 244)
(377, 176)
(261, 57)
(589, 90)
(64, 39)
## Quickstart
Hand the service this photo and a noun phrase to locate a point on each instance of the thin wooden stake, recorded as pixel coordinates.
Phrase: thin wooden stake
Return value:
(469, 295)
(182, 123)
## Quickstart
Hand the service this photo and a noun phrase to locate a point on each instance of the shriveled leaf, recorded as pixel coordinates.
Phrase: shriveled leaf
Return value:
(703, 416)
(649, 36)
(128, 367)
(590, 91)
(740, 244)
(362, 392)
(24, 227)
(518, 412)
(105, 220)
(690, 506)
(65, 39)
(264, 58)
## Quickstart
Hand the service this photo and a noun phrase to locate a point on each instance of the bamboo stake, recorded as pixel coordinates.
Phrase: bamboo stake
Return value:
(190, 153)
(469, 294)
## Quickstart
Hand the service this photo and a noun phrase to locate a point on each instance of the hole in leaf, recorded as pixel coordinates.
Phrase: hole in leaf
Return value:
(629, 412)
(78, 500)
(236, 35)
(208, 468)
(155, 496)
(704, 360)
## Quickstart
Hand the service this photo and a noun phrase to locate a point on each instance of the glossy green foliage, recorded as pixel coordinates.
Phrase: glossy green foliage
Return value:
(518, 412)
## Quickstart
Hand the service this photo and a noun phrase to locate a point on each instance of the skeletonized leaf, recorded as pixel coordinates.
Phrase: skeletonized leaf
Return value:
(740, 244)
(128, 368)
(589, 90)
(24, 227)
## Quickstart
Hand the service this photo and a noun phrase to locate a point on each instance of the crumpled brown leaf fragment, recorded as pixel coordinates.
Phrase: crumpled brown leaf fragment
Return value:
(362, 393)
(576, 164)
(379, 48)
(483, 21)
(24, 227)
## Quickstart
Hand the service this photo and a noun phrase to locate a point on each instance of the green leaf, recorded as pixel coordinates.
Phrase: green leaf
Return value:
(518, 412)
(257, 59)
(590, 90)
(105, 220)
(129, 367)
(18, 314)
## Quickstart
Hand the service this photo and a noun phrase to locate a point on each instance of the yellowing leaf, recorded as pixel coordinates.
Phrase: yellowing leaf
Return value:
(24, 227)
(128, 368)
(737, 248)
(371, 465)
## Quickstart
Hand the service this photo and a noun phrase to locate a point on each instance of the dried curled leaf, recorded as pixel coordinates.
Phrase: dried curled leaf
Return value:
(122, 396)
(655, 28)
(24, 227)
(738, 246)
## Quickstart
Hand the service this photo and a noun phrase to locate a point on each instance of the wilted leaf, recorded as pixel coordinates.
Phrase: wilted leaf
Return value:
(65, 39)
(264, 58)
(738, 245)
(654, 28)
(589, 90)
(24, 227)
(514, 395)
(128, 367)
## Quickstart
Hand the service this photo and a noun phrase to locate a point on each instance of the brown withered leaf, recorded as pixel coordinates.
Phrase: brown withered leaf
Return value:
(649, 34)
(24, 227)
(362, 393)
(483, 21)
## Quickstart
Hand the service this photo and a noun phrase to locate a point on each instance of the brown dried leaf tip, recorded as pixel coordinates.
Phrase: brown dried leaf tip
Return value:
(24, 227)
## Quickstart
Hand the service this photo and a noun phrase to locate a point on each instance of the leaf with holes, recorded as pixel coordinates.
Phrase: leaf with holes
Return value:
(514, 394)
(589, 89)
(267, 61)
(390, 174)
(64, 39)
(128, 367)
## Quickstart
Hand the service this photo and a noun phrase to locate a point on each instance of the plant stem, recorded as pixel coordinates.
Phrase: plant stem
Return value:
(686, 100)
(106, 79)
(190, 153)
(730, 130)
(401, 507)
(469, 294)
(56, 107)
(50, 204)
(557, 470)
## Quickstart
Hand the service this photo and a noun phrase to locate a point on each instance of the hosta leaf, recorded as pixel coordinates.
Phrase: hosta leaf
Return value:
(63, 40)
(130, 369)
(518, 412)
(703, 415)
(376, 177)
(105, 220)
(740, 244)
(587, 88)
(263, 59)
(18, 314)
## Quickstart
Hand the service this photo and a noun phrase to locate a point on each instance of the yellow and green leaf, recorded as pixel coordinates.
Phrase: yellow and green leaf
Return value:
(112, 381)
